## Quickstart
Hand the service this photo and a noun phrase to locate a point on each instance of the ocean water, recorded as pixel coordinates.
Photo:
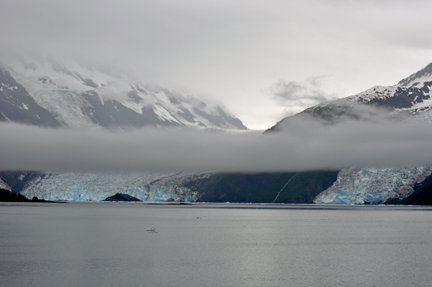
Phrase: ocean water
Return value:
(132, 244)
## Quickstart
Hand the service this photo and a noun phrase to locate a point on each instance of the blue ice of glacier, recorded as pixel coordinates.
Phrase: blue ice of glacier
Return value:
(71, 186)
(372, 185)
(352, 197)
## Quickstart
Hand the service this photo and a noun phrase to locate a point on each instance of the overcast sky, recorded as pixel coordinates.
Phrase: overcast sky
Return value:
(262, 59)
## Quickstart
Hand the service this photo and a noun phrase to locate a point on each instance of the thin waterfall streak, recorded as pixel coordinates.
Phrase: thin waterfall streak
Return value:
(283, 187)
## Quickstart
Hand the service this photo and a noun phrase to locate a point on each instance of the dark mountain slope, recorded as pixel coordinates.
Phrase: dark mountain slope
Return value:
(305, 186)
(17, 105)
(299, 187)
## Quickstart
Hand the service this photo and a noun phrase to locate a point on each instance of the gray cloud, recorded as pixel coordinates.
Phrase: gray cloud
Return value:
(296, 96)
(305, 146)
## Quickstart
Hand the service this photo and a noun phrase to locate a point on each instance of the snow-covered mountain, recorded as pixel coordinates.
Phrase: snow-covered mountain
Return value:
(65, 94)
(408, 101)
(411, 96)
(54, 93)
(49, 94)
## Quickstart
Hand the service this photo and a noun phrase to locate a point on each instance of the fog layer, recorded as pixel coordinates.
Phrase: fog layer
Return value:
(306, 146)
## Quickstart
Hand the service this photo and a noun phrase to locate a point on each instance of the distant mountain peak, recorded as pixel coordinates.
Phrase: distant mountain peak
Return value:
(410, 99)
(418, 78)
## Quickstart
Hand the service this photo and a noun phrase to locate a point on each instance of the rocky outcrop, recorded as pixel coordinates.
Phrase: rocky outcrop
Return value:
(121, 197)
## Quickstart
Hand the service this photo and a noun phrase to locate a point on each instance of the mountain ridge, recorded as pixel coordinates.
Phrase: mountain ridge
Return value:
(409, 101)
(410, 98)
(77, 96)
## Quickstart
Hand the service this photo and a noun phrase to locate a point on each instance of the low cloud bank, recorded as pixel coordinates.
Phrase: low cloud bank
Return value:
(305, 146)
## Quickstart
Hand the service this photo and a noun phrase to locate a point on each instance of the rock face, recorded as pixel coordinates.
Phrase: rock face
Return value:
(121, 197)
(9, 196)
(300, 187)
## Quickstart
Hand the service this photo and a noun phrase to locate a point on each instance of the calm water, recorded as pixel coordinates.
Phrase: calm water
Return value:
(108, 244)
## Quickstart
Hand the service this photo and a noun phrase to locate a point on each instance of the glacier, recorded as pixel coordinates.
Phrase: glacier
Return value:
(148, 187)
(372, 185)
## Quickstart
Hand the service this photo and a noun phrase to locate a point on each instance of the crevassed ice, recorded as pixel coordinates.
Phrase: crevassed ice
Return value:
(372, 185)
(71, 186)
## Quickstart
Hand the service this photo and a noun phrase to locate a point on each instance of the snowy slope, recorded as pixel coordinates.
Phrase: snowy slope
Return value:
(413, 94)
(78, 96)
(4, 185)
(419, 78)
(17, 105)
(410, 100)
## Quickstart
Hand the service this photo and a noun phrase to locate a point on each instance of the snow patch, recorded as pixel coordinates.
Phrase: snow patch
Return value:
(164, 114)
(377, 92)
(4, 185)
(136, 107)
